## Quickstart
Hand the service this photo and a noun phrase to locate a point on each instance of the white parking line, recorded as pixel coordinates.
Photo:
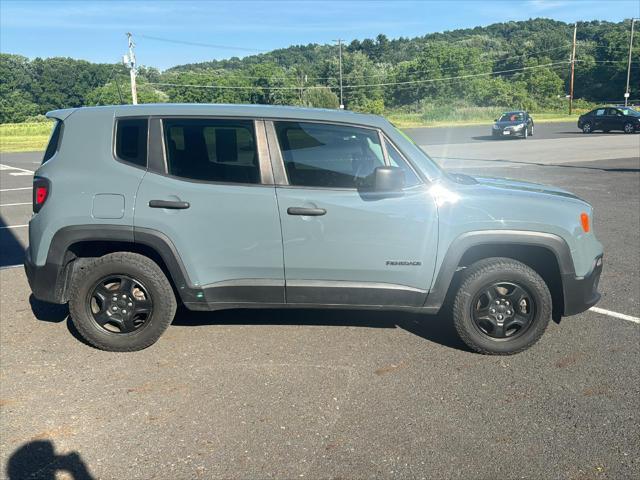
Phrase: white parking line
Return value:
(9, 167)
(13, 226)
(621, 316)
(14, 189)
(14, 204)
(19, 174)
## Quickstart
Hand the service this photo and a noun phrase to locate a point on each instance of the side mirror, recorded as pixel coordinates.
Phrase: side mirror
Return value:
(388, 179)
(495, 119)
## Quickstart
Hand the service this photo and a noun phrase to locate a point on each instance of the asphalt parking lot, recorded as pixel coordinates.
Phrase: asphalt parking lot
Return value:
(339, 394)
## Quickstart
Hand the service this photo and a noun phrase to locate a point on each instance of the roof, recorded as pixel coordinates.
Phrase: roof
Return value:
(230, 110)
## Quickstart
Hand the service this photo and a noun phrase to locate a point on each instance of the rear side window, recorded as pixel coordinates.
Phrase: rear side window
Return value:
(600, 112)
(54, 141)
(212, 150)
(131, 141)
(329, 156)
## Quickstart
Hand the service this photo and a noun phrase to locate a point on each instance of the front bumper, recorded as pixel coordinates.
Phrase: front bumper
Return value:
(47, 282)
(581, 294)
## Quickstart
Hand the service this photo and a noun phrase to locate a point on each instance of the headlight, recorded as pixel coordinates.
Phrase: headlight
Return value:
(519, 127)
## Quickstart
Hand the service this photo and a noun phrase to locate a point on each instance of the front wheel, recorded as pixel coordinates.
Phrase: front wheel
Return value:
(628, 127)
(502, 306)
(587, 127)
(121, 302)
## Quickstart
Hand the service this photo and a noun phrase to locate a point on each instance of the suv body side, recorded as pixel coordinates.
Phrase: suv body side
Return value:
(255, 253)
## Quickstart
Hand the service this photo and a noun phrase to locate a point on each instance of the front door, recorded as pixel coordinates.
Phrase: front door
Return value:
(344, 244)
(215, 208)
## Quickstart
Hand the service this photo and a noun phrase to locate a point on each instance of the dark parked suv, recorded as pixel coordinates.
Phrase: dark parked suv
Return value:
(607, 119)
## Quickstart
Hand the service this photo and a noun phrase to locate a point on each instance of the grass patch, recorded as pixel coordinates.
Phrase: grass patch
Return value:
(24, 137)
(457, 118)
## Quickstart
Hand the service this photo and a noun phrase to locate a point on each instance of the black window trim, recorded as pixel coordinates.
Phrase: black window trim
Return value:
(264, 163)
(115, 140)
(59, 124)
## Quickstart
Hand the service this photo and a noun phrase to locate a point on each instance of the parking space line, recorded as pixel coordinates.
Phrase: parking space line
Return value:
(14, 189)
(13, 226)
(9, 167)
(621, 316)
(14, 204)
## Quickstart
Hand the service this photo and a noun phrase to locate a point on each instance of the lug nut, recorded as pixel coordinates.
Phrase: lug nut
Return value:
(115, 309)
(499, 317)
(124, 311)
(497, 302)
(508, 312)
(130, 304)
(124, 296)
(493, 310)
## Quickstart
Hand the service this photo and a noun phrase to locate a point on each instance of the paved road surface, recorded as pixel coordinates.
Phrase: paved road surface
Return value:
(316, 394)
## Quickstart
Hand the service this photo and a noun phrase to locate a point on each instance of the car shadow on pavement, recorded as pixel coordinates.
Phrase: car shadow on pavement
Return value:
(495, 139)
(11, 250)
(37, 459)
(435, 328)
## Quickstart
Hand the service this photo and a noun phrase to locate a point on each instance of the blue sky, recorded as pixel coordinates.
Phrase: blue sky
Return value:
(95, 30)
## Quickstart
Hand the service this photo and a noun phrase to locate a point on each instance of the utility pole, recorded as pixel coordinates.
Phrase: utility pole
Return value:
(626, 92)
(573, 67)
(130, 61)
(340, 66)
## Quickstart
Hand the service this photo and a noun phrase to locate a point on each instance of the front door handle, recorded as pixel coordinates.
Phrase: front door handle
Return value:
(175, 205)
(307, 212)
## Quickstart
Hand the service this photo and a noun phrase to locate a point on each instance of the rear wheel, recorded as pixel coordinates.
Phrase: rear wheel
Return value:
(502, 306)
(587, 127)
(121, 302)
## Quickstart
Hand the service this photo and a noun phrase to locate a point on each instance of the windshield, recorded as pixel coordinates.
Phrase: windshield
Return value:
(630, 111)
(512, 117)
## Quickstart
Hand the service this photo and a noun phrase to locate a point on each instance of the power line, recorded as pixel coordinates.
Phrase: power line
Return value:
(238, 87)
(201, 44)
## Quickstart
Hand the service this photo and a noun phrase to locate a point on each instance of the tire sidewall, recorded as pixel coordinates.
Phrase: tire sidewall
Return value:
(82, 317)
(541, 297)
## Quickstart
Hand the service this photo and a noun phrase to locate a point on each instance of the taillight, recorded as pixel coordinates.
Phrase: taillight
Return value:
(584, 220)
(41, 192)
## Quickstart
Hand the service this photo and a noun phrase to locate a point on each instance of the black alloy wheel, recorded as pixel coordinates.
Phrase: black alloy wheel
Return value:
(120, 304)
(503, 310)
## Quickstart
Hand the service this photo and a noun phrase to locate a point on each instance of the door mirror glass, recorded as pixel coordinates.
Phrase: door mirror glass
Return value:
(389, 179)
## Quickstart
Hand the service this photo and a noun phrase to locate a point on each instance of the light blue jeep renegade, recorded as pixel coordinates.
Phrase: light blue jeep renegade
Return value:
(242, 206)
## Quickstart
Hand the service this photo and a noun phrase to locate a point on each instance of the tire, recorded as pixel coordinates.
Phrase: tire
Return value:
(525, 134)
(503, 271)
(606, 131)
(628, 127)
(587, 127)
(531, 132)
(149, 288)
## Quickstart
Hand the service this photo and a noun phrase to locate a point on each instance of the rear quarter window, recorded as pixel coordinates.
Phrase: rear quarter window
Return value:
(131, 141)
(54, 141)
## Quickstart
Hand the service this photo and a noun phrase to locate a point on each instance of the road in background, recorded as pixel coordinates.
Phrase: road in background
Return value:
(341, 394)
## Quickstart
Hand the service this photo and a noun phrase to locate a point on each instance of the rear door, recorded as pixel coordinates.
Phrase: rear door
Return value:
(600, 119)
(343, 244)
(212, 195)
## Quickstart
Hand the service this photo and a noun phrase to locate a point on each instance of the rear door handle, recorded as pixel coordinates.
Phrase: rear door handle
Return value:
(307, 212)
(175, 205)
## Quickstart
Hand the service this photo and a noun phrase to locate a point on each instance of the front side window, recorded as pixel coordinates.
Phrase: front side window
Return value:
(212, 150)
(329, 156)
(397, 160)
(131, 141)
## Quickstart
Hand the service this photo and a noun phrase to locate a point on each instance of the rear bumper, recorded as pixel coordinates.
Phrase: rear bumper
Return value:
(47, 282)
(581, 294)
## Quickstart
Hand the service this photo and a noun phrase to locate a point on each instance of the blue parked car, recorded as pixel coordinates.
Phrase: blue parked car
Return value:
(137, 208)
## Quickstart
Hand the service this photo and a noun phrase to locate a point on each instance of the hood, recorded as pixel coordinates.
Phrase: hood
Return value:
(508, 184)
